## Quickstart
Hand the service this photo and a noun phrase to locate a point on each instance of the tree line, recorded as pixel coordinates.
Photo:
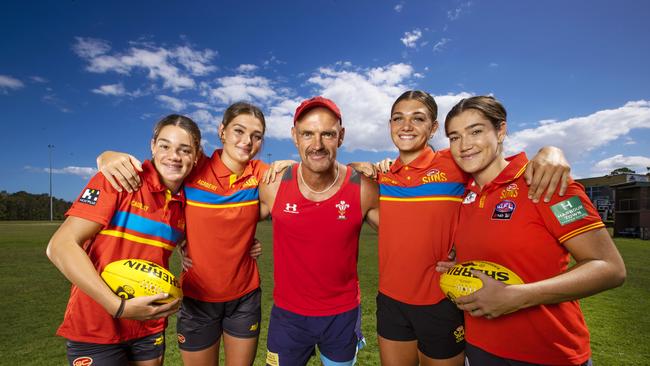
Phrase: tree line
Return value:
(28, 206)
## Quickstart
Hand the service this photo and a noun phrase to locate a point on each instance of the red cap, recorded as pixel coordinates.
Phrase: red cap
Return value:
(314, 102)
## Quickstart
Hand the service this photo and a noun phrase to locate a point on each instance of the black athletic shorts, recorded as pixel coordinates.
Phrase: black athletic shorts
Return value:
(200, 324)
(438, 328)
(141, 349)
(475, 356)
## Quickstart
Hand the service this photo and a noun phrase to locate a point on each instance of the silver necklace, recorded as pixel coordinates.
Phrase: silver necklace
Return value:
(324, 190)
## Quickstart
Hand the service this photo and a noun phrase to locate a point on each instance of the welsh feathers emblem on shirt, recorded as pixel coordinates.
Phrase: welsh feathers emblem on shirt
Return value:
(342, 206)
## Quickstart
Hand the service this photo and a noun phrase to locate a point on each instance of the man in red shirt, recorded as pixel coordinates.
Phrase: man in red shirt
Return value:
(318, 209)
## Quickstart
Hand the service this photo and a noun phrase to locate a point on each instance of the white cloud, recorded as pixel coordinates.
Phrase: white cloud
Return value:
(84, 172)
(8, 82)
(90, 47)
(440, 45)
(206, 121)
(111, 90)
(410, 38)
(172, 103)
(52, 99)
(173, 66)
(246, 68)
(637, 163)
(280, 119)
(242, 87)
(454, 14)
(580, 135)
(195, 61)
(364, 97)
(629, 141)
(399, 7)
(38, 79)
(493, 64)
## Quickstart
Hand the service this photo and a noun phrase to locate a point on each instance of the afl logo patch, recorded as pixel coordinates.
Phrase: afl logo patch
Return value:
(503, 210)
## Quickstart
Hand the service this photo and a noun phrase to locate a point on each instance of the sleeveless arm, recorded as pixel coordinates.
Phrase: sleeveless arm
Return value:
(370, 201)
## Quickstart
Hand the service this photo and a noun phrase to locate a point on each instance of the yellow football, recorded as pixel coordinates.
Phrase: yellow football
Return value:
(459, 281)
(130, 278)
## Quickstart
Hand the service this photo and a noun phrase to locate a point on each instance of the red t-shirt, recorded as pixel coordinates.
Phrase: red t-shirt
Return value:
(500, 224)
(418, 206)
(145, 224)
(316, 247)
(222, 213)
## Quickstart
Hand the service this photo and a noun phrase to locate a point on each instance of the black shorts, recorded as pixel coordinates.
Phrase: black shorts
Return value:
(475, 356)
(201, 323)
(438, 328)
(141, 349)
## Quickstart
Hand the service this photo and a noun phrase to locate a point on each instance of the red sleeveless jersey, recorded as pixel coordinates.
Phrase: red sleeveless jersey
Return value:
(315, 248)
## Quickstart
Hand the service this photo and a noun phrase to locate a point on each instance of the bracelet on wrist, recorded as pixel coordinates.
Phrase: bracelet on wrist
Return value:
(120, 310)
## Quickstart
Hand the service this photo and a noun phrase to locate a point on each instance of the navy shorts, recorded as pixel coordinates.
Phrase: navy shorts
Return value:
(475, 356)
(438, 328)
(200, 324)
(292, 338)
(141, 349)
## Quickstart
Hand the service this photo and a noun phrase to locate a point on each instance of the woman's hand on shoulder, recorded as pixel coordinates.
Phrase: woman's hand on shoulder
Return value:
(384, 165)
(365, 168)
(121, 170)
(545, 171)
(276, 168)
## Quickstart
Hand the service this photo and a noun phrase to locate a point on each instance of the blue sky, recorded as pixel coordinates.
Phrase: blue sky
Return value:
(91, 76)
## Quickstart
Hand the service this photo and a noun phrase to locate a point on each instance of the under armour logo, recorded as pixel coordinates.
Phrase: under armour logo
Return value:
(291, 208)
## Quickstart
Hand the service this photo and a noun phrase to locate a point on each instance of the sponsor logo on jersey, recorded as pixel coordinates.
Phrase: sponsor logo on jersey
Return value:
(471, 197)
(139, 205)
(434, 176)
(503, 210)
(388, 180)
(511, 191)
(181, 338)
(82, 361)
(569, 210)
(291, 208)
(342, 207)
(207, 185)
(90, 197)
(251, 182)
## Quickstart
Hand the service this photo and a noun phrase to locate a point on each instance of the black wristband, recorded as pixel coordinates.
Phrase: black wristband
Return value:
(120, 310)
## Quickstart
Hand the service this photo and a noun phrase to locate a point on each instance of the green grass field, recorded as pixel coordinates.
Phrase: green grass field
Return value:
(35, 296)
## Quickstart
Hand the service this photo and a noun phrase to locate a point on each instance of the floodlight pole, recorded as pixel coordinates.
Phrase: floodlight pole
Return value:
(268, 158)
(50, 147)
